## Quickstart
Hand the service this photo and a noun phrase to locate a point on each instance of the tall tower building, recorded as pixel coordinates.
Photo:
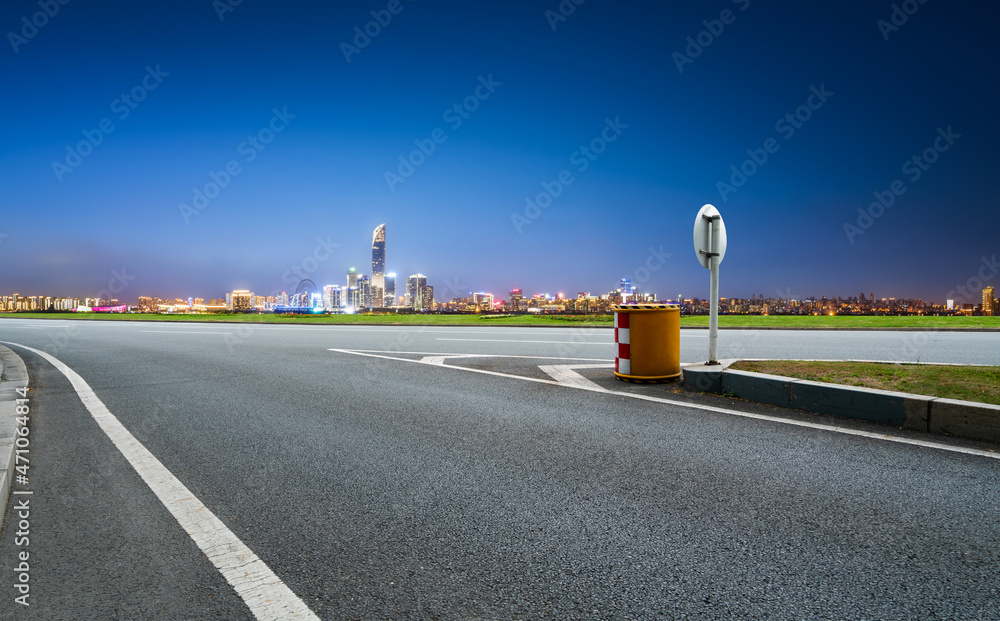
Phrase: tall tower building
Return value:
(389, 296)
(365, 290)
(332, 297)
(378, 265)
(352, 276)
(516, 301)
(416, 290)
(428, 298)
(988, 301)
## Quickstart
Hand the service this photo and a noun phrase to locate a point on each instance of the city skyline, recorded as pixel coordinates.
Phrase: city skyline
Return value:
(546, 146)
(377, 290)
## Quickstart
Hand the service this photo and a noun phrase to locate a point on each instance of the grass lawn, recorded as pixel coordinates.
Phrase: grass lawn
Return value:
(840, 322)
(387, 319)
(967, 383)
(807, 322)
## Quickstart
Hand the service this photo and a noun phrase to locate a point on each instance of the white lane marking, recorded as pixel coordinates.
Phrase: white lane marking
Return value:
(336, 327)
(441, 359)
(266, 595)
(566, 376)
(181, 332)
(453, 354)
(358, 352)
(712, 408)
(512, 341)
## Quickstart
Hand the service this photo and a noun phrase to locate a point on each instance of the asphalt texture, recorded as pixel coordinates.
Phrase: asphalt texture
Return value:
(387, 489)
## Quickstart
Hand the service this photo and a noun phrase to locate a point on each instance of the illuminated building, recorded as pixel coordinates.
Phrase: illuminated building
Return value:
(352, 298)
(989, 303)
(352, 276)
(483, 301)
(516, 301)
(389, 296)
(365, 290)
(332, 297)
(416, 290)
(625, 291)
(378, 265)
(240, 300)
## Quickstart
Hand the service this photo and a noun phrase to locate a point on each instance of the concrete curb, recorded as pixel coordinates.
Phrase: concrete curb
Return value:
(13, 375)
(967, 419)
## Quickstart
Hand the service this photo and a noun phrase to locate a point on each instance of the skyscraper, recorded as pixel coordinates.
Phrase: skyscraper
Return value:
(988, 301)
(352, 276)
(389, 296)
(365, 290)
(378, 265)
(416, 290)
(332, 297)
(626, 291)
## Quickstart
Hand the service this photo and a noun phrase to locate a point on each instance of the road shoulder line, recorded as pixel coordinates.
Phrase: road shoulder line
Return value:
(13, 376)
(696, 406)
(264, 593)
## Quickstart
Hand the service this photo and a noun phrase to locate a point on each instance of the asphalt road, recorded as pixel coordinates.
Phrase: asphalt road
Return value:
(399, 487)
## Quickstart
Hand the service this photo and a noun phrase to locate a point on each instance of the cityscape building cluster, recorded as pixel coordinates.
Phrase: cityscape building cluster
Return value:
(377, 292)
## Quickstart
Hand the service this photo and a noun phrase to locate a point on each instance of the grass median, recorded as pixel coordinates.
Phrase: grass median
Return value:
(389, 319)
(968, 383)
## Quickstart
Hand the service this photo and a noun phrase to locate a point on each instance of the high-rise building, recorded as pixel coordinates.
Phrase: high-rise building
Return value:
(428, 303)
(240, 300)
(389, 295)
(483, 301)
(332, 297)
(989, 303)
(365, 290)
(352, 276)
(378, 265)
(625, 291)
(416, 289)
(516, 301)
(352, 298)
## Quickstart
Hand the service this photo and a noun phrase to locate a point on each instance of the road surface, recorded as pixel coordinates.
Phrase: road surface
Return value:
(466, 473)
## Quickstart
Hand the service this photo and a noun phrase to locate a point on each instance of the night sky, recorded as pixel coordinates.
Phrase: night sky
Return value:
(303, 133)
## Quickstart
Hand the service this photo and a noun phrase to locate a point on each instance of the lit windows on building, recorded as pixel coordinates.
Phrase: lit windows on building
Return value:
(378, 265)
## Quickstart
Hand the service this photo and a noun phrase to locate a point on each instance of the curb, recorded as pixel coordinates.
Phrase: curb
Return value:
(13, 375)
(966, 419)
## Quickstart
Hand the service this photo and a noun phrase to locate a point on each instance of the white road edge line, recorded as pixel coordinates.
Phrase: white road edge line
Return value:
(604, 343)
(453, 354)
(182, 332)
(264, 593)
(708, 408)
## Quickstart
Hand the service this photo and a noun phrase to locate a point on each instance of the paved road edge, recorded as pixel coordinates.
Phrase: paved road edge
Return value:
(965, 419)
(13, 375)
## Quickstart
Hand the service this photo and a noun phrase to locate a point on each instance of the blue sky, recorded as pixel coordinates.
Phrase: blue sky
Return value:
(314, 120)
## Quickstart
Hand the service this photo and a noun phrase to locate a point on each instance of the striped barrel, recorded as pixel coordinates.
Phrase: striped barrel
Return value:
(647, 342)
(623, 352)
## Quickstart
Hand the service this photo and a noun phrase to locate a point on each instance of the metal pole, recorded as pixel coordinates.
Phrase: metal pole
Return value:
(713, 324)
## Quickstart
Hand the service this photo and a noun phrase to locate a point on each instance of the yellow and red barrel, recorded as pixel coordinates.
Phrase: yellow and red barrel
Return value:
(647, 342)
